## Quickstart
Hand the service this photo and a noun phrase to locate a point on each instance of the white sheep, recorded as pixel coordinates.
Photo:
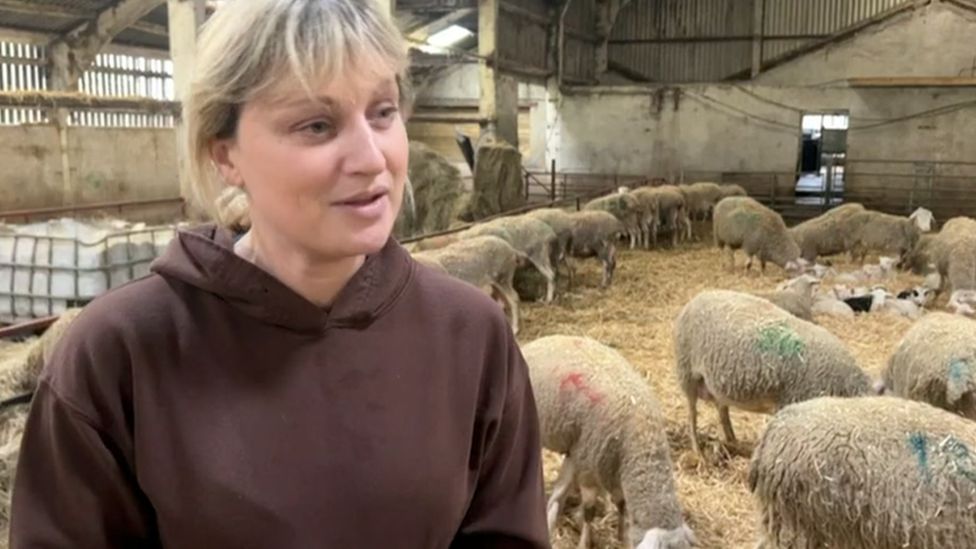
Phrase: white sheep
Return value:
(872, 473)
(738, 350)
(825, 234)
(531, 236)
(484, 262)
(742, 222)
(596, 410)
(935, 362)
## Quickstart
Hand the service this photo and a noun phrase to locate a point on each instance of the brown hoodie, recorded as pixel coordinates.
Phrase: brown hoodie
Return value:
(209, 406)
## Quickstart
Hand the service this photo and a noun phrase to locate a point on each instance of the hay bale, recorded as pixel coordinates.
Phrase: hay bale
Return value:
(437, 190)
(497, 180)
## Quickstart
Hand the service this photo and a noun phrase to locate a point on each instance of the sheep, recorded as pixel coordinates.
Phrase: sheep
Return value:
(825, 234)
(531, 236)
(871, 473)
(648, 200)
(935, 362)
(883, 270)
(731, 189)
(738, 350)
(434, 242)
(625, 207)
(595, 233)
(871, 230)
(797, 304)
(830, 306)
(428, 260)
(701, 198)
(673, 212)
(485, 261)
(597, 411)
(561, 223)
(741, 222)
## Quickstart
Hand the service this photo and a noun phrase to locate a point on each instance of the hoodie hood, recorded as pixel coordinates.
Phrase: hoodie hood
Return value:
(203, 257)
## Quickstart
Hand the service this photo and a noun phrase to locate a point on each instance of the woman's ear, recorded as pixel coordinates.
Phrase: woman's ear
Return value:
(223, 160)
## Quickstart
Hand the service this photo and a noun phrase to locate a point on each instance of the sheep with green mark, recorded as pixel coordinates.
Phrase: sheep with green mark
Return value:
(741, 351)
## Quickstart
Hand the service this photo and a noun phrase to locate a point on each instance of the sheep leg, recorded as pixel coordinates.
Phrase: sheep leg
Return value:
(607, 255)
(545, 268)
(730, 264)
(570, 270)
(693, 420)
(622, 519)
(588, 494)
(723, 416)
(509, 300)
(564, 481)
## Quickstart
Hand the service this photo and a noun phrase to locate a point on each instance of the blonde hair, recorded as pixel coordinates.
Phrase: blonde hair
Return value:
(248, 46)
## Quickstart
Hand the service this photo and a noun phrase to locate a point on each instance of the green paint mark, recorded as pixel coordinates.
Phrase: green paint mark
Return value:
(919, 446)
(780, 339)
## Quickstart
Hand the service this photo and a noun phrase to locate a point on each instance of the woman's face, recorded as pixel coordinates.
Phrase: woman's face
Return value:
(324, 176)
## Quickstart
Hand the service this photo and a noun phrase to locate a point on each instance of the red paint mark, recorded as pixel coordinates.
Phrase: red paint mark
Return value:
(574, 381)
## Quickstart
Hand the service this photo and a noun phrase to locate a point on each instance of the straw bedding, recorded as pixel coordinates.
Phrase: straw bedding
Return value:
(635, 315)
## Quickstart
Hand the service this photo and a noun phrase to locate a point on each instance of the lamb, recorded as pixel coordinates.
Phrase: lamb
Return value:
(532, 237)
(825, 234)
(741, 222)
(596, 410)
(830, 306)
(625, 207)
(595, 233)
(935, 362)
(485, 261)
(870, 473)
(881, 232)
(794, 296)
(738, 350)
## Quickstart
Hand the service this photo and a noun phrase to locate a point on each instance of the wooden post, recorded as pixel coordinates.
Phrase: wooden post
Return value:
(498, 102)
(185, 17)
(758, 20)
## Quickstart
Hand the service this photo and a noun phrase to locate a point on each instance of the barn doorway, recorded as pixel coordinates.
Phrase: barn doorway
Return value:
(823, 151)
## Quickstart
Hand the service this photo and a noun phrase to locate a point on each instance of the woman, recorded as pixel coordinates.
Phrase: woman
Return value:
(307, 385)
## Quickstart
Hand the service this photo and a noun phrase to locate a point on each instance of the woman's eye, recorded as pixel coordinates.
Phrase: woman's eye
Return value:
(319, 127)
(388, 112)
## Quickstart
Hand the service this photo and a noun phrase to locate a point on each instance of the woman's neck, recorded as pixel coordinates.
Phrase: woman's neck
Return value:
(318, 281)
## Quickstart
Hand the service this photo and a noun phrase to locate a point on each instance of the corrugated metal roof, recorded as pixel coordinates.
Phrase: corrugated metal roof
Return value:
(705, 40)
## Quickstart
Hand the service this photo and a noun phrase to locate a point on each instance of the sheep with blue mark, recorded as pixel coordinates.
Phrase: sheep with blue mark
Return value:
(935, 362)
(866, 473)
(741, 351)
(596, 410)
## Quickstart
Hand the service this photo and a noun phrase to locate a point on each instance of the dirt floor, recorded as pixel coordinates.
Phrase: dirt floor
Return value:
(635, 316)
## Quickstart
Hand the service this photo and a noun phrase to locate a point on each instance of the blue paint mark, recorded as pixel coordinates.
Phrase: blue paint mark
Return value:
(958, 370)
(959, 457)
(919, 446)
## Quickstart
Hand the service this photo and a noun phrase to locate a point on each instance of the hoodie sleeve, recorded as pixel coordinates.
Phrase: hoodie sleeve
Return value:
(508, 506)
(72, 488)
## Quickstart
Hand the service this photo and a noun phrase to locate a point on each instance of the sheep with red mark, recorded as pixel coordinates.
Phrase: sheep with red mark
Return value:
(738, 350)
(596, 410)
